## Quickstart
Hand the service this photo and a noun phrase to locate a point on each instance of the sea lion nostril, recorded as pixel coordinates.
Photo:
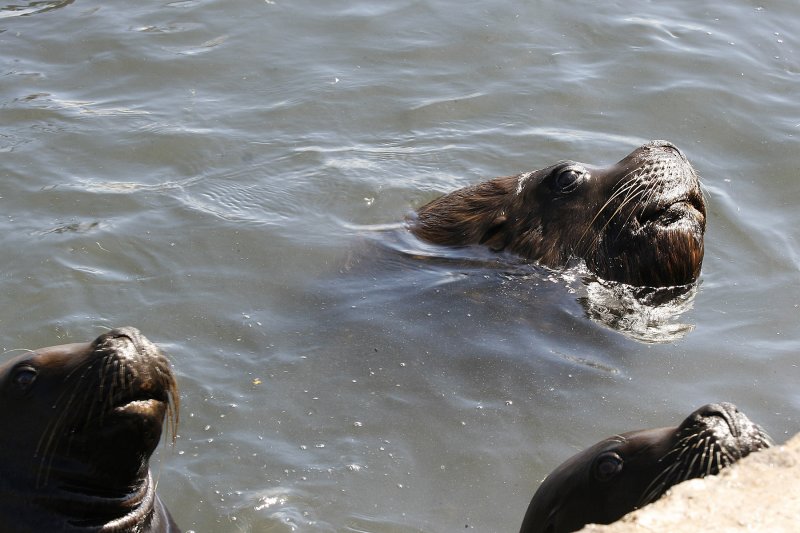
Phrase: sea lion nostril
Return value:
(663, 145)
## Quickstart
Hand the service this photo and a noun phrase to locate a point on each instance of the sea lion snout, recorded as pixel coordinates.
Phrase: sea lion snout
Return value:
(731, 429)
(125, 342)
(147, 372)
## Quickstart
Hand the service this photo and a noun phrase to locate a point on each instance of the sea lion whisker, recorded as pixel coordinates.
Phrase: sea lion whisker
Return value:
(116, 380)
(728, 457)
(674, 473)
(707, 454)
(53, 432)
(628, 178)
(640, 193)
(684, 451)
(718, 457)
(173, 408)
(47, 442)
(706, 460)
(703, 196)
(615, 194)
(654, 189)
(599, 234)
(645, 196)
(688, 470)
(620, 191)
(652, 493)
(634, 192)
(678, 450)
(715, 457)
(109, 372)
(698, 451)
(632, 197)
(686, 438)
(654, 489)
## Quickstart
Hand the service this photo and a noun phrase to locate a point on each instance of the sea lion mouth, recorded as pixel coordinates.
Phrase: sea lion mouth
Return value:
(668, 211)
(141, 407)
(686, 209)
(135, 377)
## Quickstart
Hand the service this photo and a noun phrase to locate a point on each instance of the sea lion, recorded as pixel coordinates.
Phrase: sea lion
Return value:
(640, 221)
(80, 422)
(624, 472)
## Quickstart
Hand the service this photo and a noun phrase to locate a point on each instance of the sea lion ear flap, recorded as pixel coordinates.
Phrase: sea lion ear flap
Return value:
(494, 237)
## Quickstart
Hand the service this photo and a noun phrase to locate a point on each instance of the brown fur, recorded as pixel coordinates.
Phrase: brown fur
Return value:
(640, 221)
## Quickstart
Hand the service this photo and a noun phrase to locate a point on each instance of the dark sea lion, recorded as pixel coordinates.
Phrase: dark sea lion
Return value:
(625, 472)
(640, 221)
(79, 423)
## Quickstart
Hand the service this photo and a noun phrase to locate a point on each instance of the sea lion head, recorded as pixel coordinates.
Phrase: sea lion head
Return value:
(621, 473)
(81, 421)
(640, 221)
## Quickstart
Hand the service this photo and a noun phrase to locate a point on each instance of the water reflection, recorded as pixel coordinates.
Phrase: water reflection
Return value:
(644, 314)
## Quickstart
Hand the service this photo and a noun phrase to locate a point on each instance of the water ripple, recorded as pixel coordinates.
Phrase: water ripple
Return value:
(31, 8)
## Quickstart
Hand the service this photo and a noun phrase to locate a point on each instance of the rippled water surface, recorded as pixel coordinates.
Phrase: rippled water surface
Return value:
(231, 178)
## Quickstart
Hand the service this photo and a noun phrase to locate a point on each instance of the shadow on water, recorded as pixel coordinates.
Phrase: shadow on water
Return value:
(408, 266)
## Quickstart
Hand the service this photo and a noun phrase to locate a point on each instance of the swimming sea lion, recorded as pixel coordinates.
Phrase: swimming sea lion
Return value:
(640, 221)
(79, 423)
(625, 472)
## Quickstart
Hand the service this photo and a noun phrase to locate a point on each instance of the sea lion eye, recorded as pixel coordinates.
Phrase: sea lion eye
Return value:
(607, 466)
(568, 178)
(24, 376)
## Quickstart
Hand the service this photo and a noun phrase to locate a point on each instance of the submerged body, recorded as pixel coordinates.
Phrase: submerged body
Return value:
(625, 472)
(640, 221)
(81, 423)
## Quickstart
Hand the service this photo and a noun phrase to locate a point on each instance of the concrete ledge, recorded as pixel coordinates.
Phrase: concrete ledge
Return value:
(759, 493)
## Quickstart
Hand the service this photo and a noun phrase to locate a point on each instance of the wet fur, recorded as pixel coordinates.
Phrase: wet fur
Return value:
(493, 214)
(639, 222)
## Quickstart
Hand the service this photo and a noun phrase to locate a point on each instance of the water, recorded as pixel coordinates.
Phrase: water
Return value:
(229, 176)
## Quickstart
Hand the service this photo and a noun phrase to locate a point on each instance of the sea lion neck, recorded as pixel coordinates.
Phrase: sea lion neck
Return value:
(78, 510)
